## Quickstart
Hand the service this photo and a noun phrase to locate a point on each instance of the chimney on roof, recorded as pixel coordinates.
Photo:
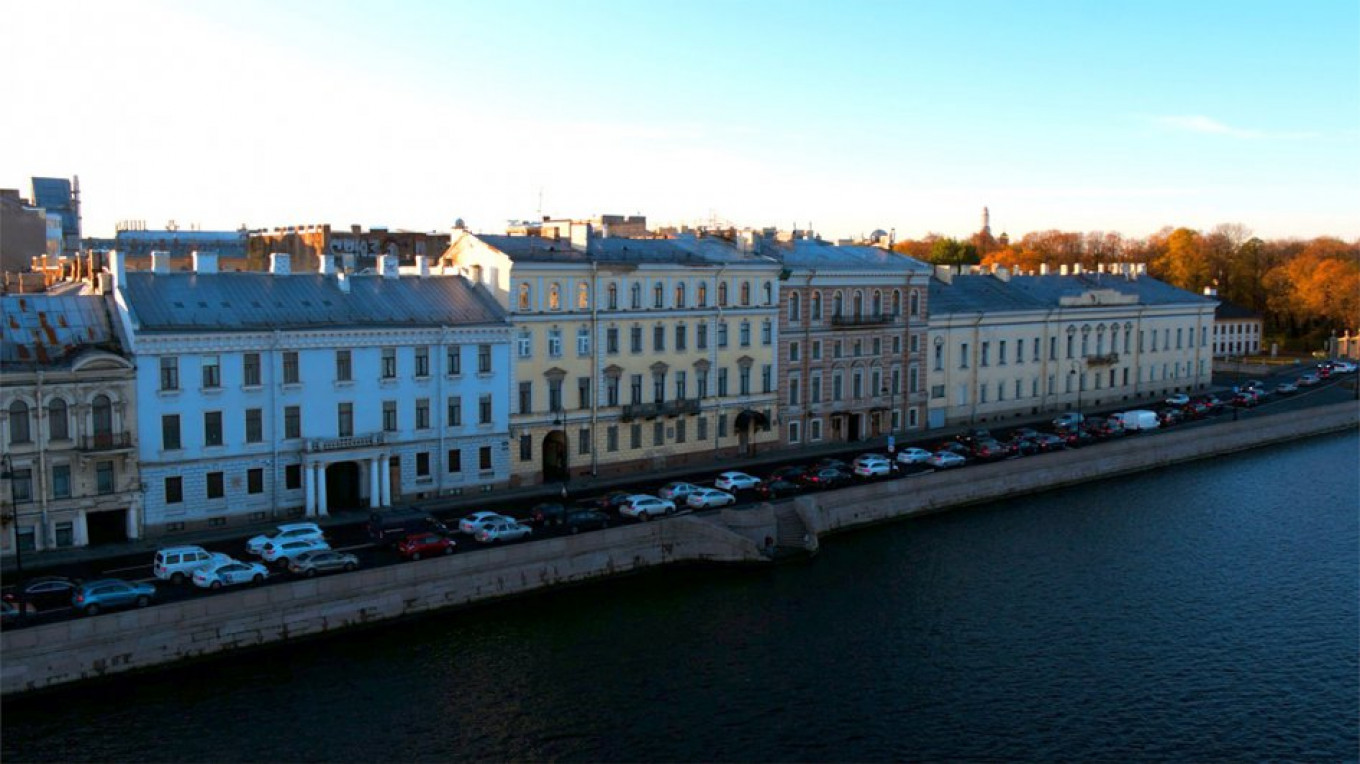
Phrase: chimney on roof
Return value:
(387, 266)
(423, 266)
(945, 273)
(325, 264)
(1076, 269)
(580, 236)
(279, 264)
(117, 268)
(356, 229)
(342, 281)
(1002, 274)
(1043, 269)
(160, 261)
(1062, 269)
(205, 262)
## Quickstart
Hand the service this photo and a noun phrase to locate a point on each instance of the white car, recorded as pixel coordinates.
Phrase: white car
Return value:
(736, 481)
(230, 573)
(642, 507)
(1343, 367)
(943, 460)
(176, 563)
(872, 465)
(677, 491)
(1308, 380)
(709, 497)
(478, 520)
(282, 552)
(502, 530)
(913, 456)
(1179, 399)
(287, 532)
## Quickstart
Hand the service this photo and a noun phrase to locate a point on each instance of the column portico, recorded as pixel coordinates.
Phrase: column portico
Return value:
(309, 486)
(321, 490)
(374, 486)
(385, 476)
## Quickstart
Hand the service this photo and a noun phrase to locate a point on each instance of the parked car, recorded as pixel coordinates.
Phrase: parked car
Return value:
(1343, 367)
(827, 477)
(943, 460)
(1179, 399)
(973, 435)
(1068, 421)
(474, 522)
(1047, 441)
(989, 450)
(1077, 438)
(1309, 379)
(1169, 416)
(640, 506)
(872, 466)
(709, 497)
(548, 513)
(1287, 388)
(93, 597)
(1024, 446)
(912, 455)
(503, 530)
(779, 488)
(281, 553)
(12, 612)
(230, 574)
(288, 532)
(585, 520)
(831, 463)
(176, 563)
(1211, 401)
(308, 564)
(1244, 399)
(391, 527)
(677, 491)
(420, 545)
(44, 592)
(611, 501)
(1115, 425)
(736, 481)
(788, 474)
(954, 447)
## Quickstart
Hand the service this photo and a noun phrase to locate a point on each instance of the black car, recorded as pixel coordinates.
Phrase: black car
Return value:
(391, 527)
(790, 474)
(974, 435)
(778, 488)
(953, 446)
(1024, 432)
(1047, 441)
(578, 520)
(988, 450)
(45, 592)
(1169, 416)
(827, 477)
(548, 513)
(829, 463)
(611, 501)
(1025, 445)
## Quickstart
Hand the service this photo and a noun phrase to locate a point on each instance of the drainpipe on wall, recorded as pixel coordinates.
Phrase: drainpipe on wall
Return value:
(595, 360)
(48, 534)
(274, 424)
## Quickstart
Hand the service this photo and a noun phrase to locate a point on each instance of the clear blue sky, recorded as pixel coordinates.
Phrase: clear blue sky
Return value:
(1122, 116)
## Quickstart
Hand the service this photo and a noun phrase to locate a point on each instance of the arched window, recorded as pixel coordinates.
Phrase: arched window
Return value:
(815, 307)
(837, 303)
(897, 303)
(1086, 340)
(555, 297)
(583, 296)
(636, 296)
(658, 295)
(58, 423)
(745, 293)
(915, 303)
(768, 289)
(101, 415)
(613, 296)
(878, 303)
(859, 304)
(795, 306)
(18, 423)
(703, 294)
(523, 296)
(722, 294)
(680, 295)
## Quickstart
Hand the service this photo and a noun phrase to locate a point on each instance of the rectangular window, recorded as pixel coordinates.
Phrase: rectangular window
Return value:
(554, 395)
(745, 334)
(658, 338)
(816, 350)
(255, 480)
(484, 458)
(635, 390)
(681, 385)
(21, 486)
(635, 339)
(658, 433)
(793, 351)
(744, 380)
(583, 441)
(526, 397)
(389, 416)
(290, 367)
(423, 414)
(986, 354)
(793, 432)
(681, 340)
(582, 341)
(611, 340)
(61, 481)
(423, 361)
(174, 490)
(767, 333)
(344, 419)
(703, 428)
(611, 391)
(389, 363)
(722, 425)
(484, 410)
(583, 392)
(611, 437)
(170, 432)
(722, 382)
(216, 485)
(816, 389)
(1001, 353)
(292, 477)
(344, 366)
(701, 336)
(766, 378)
(680, 430)
(635, 436)
(794, 391)
(526, 447)
(212, 372)
(254, 425)
(169, 372)
(658, 387)
(455, 355)
(212, 428)
(423, 464)
(722, 334)
(455, 460)
(250, 367)
(292, 421)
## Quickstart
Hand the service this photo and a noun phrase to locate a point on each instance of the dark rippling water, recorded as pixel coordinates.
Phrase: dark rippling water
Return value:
(1204, 612)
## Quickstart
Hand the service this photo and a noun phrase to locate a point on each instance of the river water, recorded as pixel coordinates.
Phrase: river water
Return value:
(1207, 611)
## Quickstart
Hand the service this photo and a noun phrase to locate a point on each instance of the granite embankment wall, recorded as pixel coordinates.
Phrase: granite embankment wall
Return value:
(68, 651)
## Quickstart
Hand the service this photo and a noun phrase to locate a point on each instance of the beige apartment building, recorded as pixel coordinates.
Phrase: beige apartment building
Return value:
(631, 353)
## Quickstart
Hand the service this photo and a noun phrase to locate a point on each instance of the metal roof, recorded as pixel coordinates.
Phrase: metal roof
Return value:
(50, 330)
(681, 251)
(816, 254)
(984, 293)
(229, 302)
(1231, 310)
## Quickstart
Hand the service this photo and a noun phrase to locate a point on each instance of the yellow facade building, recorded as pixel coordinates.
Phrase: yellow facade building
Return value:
(631, 354)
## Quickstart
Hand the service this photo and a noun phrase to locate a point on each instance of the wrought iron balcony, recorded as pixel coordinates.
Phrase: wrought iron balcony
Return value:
(106, 441)
(1108, 359)
(316, 445)
(682, 406)
(851, 322)
(633, 411)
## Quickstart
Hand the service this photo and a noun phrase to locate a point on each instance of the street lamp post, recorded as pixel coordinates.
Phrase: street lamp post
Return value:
(1077, 376)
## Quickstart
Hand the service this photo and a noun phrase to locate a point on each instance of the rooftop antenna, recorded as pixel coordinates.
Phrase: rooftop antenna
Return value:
(540, 202)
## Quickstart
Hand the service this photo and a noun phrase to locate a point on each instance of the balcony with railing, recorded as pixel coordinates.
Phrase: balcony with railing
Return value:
(106, 441)
(633, 411)
(861, 321)
(682, 406)
(1105, 359)
(318, 445)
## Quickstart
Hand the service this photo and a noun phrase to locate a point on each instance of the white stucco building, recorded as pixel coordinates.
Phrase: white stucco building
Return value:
(1004, 346)
(265, 395)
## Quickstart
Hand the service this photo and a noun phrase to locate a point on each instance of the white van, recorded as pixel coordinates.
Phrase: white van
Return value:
(176, 563)
(1135, 421)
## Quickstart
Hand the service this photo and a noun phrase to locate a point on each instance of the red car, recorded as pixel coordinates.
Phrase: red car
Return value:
(420, 545)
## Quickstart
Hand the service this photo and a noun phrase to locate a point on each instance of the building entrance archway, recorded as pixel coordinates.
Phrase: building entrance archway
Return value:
(555, 457)
(342, 486)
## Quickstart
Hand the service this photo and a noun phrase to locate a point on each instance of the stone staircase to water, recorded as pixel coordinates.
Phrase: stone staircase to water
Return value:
(791, 534)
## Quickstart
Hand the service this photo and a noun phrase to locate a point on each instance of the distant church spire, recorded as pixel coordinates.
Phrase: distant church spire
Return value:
(986, 222)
